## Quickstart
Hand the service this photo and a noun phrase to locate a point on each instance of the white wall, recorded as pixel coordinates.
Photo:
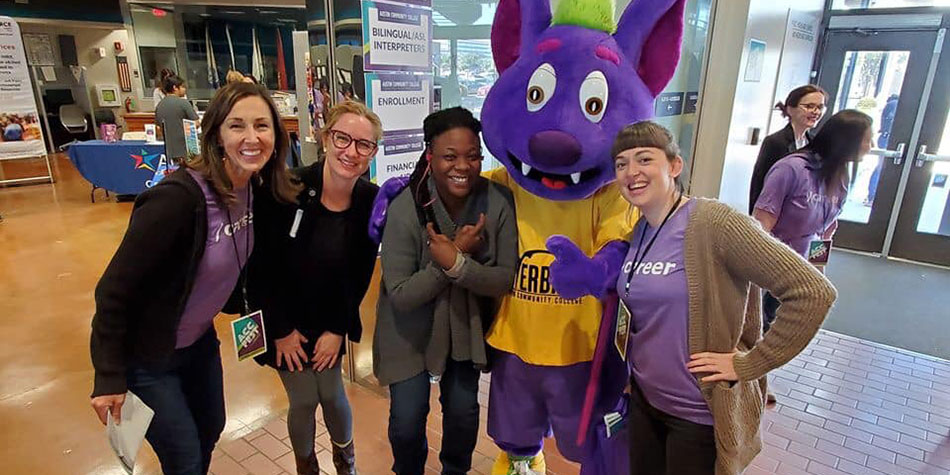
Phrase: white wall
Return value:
(731, 107)
(151, 30)
(98, 70)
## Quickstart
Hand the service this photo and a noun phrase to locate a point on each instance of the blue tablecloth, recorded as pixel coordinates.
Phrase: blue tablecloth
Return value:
(124, 167)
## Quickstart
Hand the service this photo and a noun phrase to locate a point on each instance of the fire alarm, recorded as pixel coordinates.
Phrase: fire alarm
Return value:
(118, 46)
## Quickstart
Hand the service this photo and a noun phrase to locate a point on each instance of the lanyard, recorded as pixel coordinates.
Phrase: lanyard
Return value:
(247, 249)
(637, 260)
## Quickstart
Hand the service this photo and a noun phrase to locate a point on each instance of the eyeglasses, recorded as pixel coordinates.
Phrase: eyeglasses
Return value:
(812, 107)
(342, 140)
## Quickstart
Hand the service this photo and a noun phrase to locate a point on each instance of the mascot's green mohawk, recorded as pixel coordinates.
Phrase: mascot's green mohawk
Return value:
(593, 14)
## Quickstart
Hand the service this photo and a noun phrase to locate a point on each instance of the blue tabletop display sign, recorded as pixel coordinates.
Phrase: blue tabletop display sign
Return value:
(124, 167)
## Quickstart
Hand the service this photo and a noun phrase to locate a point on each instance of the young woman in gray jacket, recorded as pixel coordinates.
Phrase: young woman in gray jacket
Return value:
(449, 252)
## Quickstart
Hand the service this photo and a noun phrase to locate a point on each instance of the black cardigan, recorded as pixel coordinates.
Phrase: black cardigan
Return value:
(774, 148)
(142, 294)
(280, 277)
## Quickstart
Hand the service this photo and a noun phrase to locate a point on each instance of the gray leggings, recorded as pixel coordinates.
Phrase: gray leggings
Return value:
(307, 389)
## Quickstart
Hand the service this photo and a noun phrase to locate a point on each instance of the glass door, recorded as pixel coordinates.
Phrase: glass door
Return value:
(881, 73)
(922, 230)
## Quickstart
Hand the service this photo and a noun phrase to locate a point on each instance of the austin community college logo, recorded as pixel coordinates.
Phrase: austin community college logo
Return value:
(533, 280)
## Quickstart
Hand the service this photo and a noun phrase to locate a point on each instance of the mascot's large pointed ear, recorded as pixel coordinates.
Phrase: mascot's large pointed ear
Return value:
(517, 25)
(650, 32)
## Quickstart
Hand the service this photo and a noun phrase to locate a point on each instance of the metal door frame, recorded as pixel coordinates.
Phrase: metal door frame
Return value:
(919, 20)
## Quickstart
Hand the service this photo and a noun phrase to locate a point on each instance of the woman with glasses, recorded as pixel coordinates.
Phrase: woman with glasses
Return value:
(309, 272)
(449, 254)
(803, 107)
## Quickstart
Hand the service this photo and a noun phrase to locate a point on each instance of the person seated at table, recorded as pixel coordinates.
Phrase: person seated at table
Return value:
(168, 115)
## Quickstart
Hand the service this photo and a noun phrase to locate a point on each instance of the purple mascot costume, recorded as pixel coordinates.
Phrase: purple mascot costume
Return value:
(568, 83)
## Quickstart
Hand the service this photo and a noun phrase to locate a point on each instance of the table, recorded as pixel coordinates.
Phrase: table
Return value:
(126, 167)
(135, 122)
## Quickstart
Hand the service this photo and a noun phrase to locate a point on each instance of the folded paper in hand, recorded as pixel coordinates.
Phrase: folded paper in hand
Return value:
(126, 437)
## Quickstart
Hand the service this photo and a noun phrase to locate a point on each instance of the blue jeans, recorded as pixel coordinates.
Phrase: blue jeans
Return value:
(409, 409)
(188, 400)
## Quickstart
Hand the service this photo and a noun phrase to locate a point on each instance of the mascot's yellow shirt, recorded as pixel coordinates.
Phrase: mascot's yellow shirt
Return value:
(534, 322)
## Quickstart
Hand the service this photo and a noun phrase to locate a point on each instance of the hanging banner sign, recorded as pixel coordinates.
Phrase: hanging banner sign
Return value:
(20, 132)
(397, 156)
(397, 37)
(402, 101)
(421, 3)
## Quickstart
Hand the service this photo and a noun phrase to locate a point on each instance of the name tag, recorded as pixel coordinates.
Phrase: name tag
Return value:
(622, 333)
(249, 337)
(818, 252)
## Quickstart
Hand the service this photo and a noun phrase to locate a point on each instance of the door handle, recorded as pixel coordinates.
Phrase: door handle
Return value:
(897, 154)
(923, 157)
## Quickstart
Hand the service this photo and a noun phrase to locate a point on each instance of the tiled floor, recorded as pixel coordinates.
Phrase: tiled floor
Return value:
(845, 405)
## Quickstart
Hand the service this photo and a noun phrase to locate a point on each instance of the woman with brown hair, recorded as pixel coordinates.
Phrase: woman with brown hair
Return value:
(183, 253)
(692, 334)
(312, 264)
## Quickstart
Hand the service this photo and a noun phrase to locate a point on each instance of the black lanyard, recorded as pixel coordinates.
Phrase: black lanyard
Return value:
(637, 260)
(242, 275)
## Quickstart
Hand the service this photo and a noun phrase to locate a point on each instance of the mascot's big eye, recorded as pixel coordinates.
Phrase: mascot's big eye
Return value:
(593, 96)
(541, 87)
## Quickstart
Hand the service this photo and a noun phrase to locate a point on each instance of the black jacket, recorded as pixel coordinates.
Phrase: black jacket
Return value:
(142, 294)
(296, 291)
(774, 148)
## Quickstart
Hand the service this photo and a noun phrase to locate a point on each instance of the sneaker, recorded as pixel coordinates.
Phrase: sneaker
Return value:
(506, 465)
(770, 399)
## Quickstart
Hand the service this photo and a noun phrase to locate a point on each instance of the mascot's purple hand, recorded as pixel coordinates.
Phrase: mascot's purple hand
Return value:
(574, 275)
(572, 272)
(387, 192)
(612, 256)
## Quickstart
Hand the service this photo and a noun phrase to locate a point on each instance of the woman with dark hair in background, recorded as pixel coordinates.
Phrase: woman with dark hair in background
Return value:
(159, 92)
(803, 108)
(805, 191)
(450, 253)
(187, 242)
(168, 115)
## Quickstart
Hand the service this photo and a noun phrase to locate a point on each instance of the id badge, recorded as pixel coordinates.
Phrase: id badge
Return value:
(249, 337)
(818, 252)
(622, 333)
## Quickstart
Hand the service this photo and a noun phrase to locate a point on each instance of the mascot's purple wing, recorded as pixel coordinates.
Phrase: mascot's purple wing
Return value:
(387, 192)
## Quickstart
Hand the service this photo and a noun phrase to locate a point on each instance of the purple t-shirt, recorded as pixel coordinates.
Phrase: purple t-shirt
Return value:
(220, 266)
(658, 349)
(796, 194)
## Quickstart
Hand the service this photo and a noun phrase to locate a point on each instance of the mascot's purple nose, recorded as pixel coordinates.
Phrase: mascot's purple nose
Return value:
(554, 148)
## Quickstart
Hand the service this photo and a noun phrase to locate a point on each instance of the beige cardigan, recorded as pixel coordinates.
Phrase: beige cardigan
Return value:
(728, 256)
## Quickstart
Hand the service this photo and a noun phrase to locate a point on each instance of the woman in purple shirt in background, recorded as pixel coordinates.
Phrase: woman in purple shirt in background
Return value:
(186, 245)
(805, 191)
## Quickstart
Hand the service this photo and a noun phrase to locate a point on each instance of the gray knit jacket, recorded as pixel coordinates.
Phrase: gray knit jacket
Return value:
(423, 317)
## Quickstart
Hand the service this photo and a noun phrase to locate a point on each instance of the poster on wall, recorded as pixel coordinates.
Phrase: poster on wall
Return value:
(397, 37)
(20, 132)
(401, 100)
(39, 49)
(397, 156)
(668, 104)
(756, 61)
